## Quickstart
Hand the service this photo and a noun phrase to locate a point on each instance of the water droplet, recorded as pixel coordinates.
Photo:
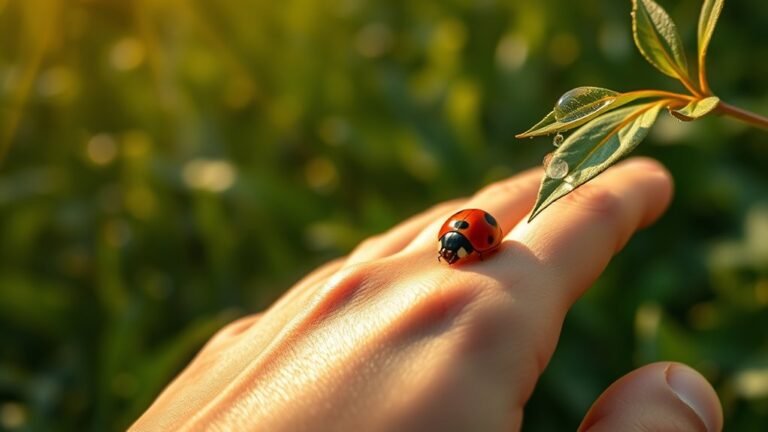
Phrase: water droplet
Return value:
(557, 168)
(558, 139)
(581, 102)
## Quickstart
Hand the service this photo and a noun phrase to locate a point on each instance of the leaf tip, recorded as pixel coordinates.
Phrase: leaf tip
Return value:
(540, 206)
(533, 215)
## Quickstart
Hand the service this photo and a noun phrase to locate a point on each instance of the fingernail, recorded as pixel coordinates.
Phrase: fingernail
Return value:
(695, 392)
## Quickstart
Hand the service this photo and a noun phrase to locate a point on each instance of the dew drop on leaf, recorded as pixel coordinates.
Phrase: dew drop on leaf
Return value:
(556, 168)
(558, 139)
(581, 102)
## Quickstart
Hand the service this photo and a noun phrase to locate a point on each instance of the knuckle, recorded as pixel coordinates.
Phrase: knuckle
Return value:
(235, 328)
(348, 286)
(328, 267)
(445, 207)
(505, 188)
(321, 272)
(599, 201)
(439, 305)
(488, 315)
(368, 243)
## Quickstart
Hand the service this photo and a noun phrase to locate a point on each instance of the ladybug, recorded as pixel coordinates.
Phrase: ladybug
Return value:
(466, 232)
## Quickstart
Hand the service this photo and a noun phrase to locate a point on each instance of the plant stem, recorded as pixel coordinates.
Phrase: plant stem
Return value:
(703, 83)
(690, 87)
(743, 115)
(660, 93)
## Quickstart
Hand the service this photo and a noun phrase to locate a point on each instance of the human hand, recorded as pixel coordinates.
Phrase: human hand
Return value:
(388, 338)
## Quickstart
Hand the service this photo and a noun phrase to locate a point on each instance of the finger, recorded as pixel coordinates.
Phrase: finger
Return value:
(507, 200)
(658, 397)
(296, 296)
(281, 311)
(531, 282)
(577, 236)
(398, 237)
(232, 330)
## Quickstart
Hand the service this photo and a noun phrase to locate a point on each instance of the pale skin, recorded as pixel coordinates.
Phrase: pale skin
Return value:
(390, 339)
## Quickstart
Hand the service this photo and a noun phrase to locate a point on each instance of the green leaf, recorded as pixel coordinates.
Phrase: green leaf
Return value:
(710, 12)
(581, 102)
(546, 122)
(657, 39)
(696, 109)
(592, 149)
(578, 106)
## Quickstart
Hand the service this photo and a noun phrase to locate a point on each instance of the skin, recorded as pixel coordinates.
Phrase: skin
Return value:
(389, 339)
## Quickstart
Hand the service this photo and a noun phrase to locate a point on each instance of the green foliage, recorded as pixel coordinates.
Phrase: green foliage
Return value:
(710, 12)
(696, 108)
(591, 150)
(578, 106)
(658, 40)
(173, 165)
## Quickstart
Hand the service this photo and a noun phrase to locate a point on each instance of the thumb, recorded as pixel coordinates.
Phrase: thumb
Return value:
(661, 396)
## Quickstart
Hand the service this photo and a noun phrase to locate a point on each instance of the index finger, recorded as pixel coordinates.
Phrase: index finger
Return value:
(577, 236)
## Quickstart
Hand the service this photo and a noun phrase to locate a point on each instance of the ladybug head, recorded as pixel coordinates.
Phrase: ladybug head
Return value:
(453, 246)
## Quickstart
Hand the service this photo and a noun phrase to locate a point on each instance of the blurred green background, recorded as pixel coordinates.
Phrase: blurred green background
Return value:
(170, 165)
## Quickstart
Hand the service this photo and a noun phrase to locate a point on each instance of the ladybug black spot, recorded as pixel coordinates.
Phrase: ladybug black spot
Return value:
(490, 219)
(461, 224)
(490, 239)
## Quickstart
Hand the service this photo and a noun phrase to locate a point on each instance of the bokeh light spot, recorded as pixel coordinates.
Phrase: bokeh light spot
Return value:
(136, 144)
(101, 149)
(57, 81)
(752, 383)
(321, 174)
(761, 292)
(416, 159)
(128, 53)
(334, 130)
(374, 40)
(463, 102)
(448, 39)
(647, 320)
(12, 415)
(209, 175)
(511, 52)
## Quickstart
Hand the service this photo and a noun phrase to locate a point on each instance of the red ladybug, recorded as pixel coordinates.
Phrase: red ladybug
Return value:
(466, 232)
